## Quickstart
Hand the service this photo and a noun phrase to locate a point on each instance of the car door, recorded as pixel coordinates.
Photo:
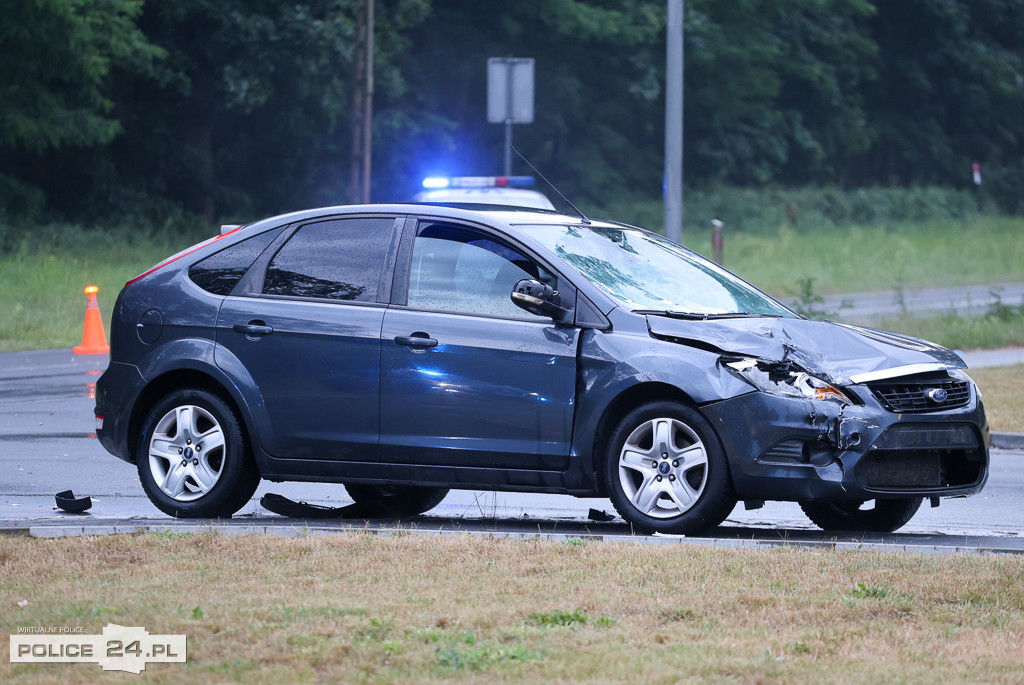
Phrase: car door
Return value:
(308, 334)
(467, 378)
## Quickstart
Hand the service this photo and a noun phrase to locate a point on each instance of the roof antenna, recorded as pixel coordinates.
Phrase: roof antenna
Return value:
(583, 217)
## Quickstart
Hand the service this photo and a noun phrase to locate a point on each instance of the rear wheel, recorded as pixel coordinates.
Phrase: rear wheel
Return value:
(666, 471)
(885, 516)
(401, 500)
(193, 458)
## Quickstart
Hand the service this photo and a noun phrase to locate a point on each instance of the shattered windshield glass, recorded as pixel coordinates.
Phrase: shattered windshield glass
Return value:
(645, 272)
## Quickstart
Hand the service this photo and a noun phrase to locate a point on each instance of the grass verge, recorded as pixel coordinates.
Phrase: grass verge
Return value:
(42, 281)
(960, 332)
(364, 608)
(1001, 386)
(865, 258)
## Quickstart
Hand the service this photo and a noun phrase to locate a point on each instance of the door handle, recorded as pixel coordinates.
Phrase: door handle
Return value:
(416, 340)
(253, 328)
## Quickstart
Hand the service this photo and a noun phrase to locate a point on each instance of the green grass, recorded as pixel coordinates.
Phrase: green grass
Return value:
(42, 280)
(44, 270)
(568, 618)
(769, 250)
(938, 254)
(759, 209)
(960, 332)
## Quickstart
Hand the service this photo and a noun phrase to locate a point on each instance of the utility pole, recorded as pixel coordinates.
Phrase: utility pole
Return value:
(674, 122)
(362, 105)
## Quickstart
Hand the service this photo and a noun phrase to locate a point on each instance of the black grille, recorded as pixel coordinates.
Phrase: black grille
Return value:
(912, 456)
(911, 397)
(909, 470)
(786, 452)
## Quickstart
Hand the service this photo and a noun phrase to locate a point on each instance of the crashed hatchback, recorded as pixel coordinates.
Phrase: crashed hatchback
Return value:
(403, 350)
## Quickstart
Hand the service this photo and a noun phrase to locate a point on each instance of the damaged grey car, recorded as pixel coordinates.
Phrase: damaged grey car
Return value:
(405, 350)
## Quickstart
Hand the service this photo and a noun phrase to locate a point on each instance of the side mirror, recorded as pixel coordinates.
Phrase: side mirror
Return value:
(538, 299)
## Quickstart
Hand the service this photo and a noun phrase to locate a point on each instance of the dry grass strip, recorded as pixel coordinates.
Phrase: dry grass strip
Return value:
(411, 609)
(1000, 386)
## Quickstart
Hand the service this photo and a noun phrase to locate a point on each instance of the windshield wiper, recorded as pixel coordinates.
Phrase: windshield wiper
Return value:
(694, 316)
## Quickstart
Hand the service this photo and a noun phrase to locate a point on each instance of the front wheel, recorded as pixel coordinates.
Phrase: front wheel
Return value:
(399, 500)
(886, 516)
(193, 459)
(666, 471)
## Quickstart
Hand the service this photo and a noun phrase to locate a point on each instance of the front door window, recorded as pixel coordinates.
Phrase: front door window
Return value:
(456, 269)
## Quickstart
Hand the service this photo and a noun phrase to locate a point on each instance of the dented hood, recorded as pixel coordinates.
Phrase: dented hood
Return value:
(838, 353)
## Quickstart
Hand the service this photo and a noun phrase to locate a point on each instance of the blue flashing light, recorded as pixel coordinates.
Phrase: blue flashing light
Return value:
(435, 182)
(521, 181)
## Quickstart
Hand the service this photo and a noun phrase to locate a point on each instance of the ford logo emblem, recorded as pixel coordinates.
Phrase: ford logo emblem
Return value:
(937, 395)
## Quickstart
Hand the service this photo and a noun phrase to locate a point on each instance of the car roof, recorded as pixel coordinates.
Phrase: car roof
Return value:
(507, 215)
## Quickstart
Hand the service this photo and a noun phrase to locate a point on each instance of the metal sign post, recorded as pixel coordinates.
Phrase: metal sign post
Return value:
(509, 96)
(674, 123)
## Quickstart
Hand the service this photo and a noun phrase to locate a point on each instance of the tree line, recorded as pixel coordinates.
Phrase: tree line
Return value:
(236, 108)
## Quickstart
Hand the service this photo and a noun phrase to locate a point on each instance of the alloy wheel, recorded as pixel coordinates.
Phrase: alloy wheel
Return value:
(186, 453)
(663, 468)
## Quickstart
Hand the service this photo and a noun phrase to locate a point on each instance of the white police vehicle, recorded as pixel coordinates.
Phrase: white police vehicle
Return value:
(512, 191)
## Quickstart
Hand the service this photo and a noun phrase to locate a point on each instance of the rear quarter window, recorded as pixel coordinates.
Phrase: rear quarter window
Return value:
(220, 272)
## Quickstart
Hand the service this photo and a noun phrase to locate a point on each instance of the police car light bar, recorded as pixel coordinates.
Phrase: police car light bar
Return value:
(434, 182)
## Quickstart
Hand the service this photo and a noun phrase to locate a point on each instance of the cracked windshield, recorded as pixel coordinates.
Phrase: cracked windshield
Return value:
(646, 272)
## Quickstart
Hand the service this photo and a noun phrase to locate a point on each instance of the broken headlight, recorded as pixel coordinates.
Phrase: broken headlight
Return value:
(786, 381)
(961, 375)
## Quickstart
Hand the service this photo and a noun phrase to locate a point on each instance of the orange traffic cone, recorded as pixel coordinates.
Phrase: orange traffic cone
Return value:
(94, 338)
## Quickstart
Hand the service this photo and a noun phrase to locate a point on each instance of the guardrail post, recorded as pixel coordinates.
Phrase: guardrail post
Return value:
(717, 242)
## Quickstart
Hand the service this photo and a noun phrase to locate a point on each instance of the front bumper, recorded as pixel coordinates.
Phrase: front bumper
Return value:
(782, 448)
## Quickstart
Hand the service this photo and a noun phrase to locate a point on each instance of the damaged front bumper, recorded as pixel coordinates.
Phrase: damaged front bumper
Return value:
(793, 449)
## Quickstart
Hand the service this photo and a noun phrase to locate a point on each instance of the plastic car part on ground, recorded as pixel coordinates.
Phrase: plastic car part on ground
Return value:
(279, 504)
(67, 501)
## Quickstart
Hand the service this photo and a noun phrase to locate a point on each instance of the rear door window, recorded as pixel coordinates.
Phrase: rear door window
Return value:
(341, 259)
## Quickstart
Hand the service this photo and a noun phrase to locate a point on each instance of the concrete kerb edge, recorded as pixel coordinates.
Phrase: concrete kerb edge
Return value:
(298, 530)
(1007, 441)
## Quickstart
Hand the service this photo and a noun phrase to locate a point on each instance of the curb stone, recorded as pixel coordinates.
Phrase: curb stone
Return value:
(1007, 441)
(1004, 546)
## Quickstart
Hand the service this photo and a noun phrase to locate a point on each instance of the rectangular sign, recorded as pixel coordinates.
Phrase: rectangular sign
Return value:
(510, 90)
(119, 648)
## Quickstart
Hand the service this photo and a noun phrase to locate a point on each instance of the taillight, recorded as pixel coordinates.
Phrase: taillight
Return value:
(183, 253)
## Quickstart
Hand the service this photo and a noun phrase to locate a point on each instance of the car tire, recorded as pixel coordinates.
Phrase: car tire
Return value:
(193, 457)
(666, 471)
(400, 500)
(886, 516)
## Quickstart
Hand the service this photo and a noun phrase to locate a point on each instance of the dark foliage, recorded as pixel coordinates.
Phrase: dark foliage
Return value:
(238, 108)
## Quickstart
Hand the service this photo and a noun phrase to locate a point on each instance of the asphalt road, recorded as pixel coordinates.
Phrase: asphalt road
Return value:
(871, 306)
(47, 445)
